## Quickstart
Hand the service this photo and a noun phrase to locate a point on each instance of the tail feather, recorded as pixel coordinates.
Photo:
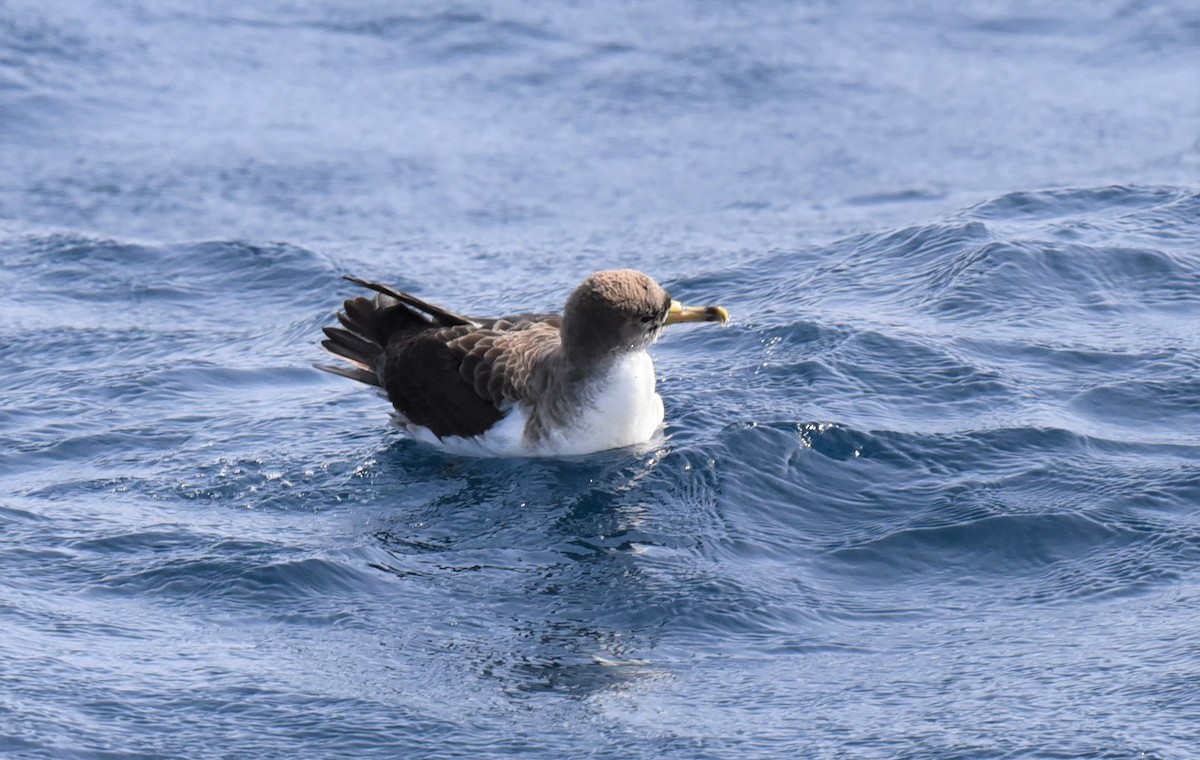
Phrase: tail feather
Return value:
(361, 375)
(357, 314)
(347, 345)
(369, 325)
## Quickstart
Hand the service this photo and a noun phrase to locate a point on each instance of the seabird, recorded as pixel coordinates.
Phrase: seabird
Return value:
(525, 385)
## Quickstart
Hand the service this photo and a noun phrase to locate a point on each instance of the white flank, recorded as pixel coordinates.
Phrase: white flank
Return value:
(622, 409)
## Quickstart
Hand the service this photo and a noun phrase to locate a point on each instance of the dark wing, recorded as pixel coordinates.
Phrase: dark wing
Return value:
(457, 381)
(423, 379)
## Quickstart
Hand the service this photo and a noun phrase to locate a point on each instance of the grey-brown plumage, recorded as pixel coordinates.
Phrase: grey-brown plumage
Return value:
(456, 376)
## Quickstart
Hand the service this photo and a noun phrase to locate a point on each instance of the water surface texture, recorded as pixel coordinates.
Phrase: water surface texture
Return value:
(934, 492)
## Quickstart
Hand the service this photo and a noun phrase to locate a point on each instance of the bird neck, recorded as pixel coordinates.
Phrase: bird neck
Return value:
(579, 366)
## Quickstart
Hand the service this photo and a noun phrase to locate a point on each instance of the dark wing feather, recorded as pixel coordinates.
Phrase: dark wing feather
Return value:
(422, 378)
(457, 380)
(437, 315)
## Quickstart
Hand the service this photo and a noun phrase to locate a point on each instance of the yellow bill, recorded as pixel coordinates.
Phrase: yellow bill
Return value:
(680, 313)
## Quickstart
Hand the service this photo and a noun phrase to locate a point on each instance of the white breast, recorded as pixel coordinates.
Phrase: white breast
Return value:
(623, 409)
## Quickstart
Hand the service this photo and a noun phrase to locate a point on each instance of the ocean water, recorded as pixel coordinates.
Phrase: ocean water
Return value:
(934, 492)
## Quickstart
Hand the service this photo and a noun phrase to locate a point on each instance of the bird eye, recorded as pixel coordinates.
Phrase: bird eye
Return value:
(647, 319)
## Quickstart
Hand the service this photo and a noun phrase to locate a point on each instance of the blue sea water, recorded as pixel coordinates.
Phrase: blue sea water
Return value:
(934, 492)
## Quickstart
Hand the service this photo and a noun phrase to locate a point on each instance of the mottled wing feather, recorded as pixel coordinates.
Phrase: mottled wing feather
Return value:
(519, 322)
(458, 381)
(499, 362)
